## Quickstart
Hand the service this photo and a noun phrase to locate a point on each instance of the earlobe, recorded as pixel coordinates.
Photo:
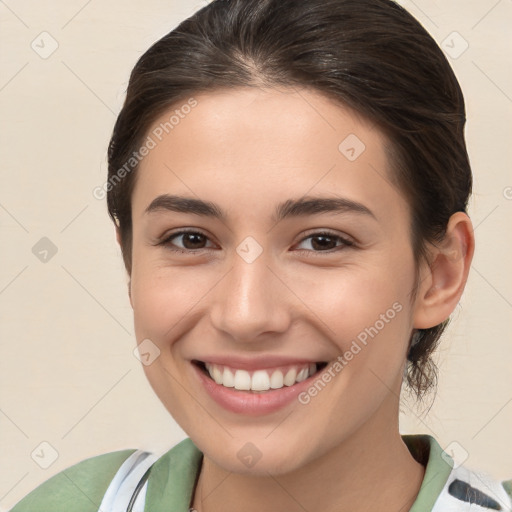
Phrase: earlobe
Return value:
(444, 280)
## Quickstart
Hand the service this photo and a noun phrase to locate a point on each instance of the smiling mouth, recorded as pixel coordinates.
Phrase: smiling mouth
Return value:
(259, 381)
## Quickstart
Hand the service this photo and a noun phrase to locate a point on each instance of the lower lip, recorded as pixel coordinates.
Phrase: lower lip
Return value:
(252, 404)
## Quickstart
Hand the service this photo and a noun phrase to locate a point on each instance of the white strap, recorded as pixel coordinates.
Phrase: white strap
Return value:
(121, 488)
(140, 501)
(481, 481)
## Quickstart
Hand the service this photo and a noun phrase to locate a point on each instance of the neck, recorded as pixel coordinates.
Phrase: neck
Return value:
(371, 469)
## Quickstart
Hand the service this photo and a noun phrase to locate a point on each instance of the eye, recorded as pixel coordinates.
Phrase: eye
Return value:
(191, 241)
(325, 241)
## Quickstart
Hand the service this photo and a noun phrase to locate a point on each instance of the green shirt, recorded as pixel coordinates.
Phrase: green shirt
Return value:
(80, 488)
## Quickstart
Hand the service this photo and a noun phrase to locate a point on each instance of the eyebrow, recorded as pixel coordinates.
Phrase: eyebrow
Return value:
(290, 208)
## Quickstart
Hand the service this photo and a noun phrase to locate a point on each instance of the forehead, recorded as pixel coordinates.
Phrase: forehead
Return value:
(260, 145)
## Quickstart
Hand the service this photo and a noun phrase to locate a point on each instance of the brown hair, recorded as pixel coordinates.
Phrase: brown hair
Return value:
(369, 55)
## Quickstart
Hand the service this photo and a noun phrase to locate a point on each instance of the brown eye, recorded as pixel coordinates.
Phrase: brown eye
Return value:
(325, 241)
(190, 241)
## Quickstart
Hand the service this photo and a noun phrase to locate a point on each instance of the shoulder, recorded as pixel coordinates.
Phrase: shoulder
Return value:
(170, 485)
(448, 485)
(507, 485)
(467, 488)
(79, 487)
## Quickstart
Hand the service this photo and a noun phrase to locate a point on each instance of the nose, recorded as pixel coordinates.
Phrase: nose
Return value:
(251, 301)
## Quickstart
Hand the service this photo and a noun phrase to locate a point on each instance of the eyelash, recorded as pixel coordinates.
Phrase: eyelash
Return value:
(344, 242)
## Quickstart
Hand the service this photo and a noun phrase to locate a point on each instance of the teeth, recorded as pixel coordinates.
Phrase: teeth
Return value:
(217, 375)
(228, 379)
(261, 380)
(276, 381)
(242, 380)
(302, 375)
(289, 378)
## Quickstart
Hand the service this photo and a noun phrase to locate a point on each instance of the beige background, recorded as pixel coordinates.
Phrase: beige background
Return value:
(68, 374)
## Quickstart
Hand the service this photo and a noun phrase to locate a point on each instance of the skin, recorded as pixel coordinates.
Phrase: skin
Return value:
(248, 150)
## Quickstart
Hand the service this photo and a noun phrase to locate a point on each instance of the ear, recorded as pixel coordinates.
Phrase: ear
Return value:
(118, 238)
(442, 281)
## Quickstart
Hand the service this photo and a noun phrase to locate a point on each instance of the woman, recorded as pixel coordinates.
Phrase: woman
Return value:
(289, 183)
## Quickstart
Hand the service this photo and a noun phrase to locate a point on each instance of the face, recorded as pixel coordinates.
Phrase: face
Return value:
(293, 249)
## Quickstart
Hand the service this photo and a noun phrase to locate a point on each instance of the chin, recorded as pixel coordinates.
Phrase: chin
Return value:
(257, 457)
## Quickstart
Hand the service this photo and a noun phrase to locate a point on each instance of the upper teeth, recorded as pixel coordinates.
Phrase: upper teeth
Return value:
(260, 380)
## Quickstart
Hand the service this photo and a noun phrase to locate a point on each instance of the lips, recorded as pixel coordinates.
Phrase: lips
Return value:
(251, 402)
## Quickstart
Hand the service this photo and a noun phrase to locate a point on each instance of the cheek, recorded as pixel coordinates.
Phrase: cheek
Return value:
(366, 312)
(350, 301)
(163, 298)
(166, 303)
